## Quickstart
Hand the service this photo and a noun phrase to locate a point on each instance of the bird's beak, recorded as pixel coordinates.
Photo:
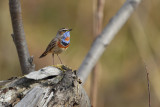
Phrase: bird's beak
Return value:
(69, 29)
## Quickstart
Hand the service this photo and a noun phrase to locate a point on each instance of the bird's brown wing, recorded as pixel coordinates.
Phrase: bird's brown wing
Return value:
(50, 46)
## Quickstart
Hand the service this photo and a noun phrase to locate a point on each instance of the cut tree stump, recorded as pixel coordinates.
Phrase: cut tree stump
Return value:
(52, 86)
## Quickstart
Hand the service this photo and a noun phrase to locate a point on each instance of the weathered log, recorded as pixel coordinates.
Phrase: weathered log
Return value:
(56, 86)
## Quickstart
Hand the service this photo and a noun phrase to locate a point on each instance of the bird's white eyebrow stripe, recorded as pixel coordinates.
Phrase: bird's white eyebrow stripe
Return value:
(64, 29)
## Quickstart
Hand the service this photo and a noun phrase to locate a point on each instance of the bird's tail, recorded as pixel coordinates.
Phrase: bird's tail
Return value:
(44, 54)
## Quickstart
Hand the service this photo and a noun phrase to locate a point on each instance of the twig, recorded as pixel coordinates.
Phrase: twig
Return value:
(18, 36)
(13, 37)
(139, 35)
(109, 32)
(98, 7)
(149, 93)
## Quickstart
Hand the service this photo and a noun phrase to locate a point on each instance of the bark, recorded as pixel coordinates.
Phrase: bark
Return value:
(62, 89)
(18, 36)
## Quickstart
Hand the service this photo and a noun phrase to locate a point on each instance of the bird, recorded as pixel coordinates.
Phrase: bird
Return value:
(58, 44)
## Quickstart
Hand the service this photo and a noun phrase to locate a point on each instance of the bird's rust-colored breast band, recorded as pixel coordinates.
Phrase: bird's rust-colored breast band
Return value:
(67, 39)
(61, 46)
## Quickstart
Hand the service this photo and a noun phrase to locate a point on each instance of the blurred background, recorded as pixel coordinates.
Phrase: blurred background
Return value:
(121, 69)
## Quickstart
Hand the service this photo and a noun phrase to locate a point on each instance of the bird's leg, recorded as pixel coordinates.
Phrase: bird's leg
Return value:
(53, 57)
(59, 59)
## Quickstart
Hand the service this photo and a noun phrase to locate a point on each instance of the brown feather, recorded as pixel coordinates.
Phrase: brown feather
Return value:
(51, 45)
(44, 54)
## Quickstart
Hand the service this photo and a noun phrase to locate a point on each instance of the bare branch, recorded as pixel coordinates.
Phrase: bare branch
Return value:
(19, 37)
(98, 7)
(149, 92)
(109, 32)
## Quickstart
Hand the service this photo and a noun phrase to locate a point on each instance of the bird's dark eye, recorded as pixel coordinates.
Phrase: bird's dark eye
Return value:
(61, 32)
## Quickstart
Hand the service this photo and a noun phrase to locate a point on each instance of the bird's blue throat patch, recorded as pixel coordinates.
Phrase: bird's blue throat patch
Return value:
(65, 41)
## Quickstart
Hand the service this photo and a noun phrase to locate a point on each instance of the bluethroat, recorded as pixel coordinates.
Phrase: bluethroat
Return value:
(58, 44)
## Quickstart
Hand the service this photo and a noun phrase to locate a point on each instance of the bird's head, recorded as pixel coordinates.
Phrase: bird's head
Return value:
(63, 32)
